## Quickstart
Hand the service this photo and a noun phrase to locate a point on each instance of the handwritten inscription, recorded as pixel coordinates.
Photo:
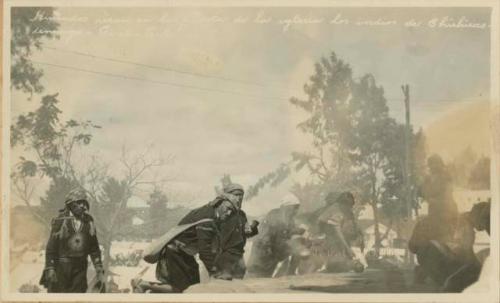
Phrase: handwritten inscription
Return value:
(113, 25)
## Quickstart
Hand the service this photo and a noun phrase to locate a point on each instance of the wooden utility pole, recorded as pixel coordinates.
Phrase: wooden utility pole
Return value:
(408, 165)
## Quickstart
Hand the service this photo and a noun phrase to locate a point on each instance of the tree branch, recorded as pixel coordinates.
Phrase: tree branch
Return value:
(24, 193)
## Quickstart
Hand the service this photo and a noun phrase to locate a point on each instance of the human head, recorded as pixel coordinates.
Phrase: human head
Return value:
(345, 199)
(480, 216)
(435, 163)
(77, 202)
(235, 190)
(224, 209)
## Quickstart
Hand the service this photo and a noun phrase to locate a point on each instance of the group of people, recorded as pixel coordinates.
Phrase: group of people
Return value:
(323, 242)
(217, 233)
(445, 252)
(443, 240)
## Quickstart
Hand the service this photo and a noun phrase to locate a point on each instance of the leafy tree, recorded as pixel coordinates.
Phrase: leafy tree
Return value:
(389, 184)
(54, 144)
(356, 145)
(419, 164)
(272, 178)
(51, 141)
(394, 199)
(327, 105)
(51, 145)
(30, 26)
(311, 195)
(437, 190)
(329, 122)
(373, 142)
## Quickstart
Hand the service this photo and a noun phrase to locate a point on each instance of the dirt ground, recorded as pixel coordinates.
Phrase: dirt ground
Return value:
(370, 281)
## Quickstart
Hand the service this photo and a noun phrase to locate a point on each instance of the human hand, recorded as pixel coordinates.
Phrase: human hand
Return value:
(358, 266)
(223, 276)
(350, 253)
(99, 274)
(51, 275)
(248, 229)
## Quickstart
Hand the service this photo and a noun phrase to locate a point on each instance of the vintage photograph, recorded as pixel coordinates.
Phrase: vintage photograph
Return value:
(302, 149)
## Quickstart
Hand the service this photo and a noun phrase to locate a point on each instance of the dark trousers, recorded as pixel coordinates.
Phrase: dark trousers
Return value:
(265, 256)
(261, 263)
(440, 265)
(239, 269)
(71, 276)
(178, 269)
(463, 277)
(231, 263)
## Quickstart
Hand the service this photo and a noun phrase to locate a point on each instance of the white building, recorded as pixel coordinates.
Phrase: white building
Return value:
(369, 234)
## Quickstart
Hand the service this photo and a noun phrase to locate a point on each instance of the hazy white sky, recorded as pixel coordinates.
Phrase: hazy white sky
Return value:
(244, 125)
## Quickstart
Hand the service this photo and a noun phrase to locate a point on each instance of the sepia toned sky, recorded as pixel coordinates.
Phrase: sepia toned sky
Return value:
(214, 92)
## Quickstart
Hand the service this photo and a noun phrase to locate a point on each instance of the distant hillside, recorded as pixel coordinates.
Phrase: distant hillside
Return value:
(468, 125)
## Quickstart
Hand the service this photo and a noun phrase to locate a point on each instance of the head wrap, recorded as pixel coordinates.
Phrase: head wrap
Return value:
(224, 205)
(77, 194)
(229, 198)
(481, 212)
(232, 187)
(346, 198)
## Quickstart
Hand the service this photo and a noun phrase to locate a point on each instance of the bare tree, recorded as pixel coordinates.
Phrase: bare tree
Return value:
(24, 188)
(139, 172)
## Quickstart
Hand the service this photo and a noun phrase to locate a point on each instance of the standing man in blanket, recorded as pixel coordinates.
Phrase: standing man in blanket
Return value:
(72, 240)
